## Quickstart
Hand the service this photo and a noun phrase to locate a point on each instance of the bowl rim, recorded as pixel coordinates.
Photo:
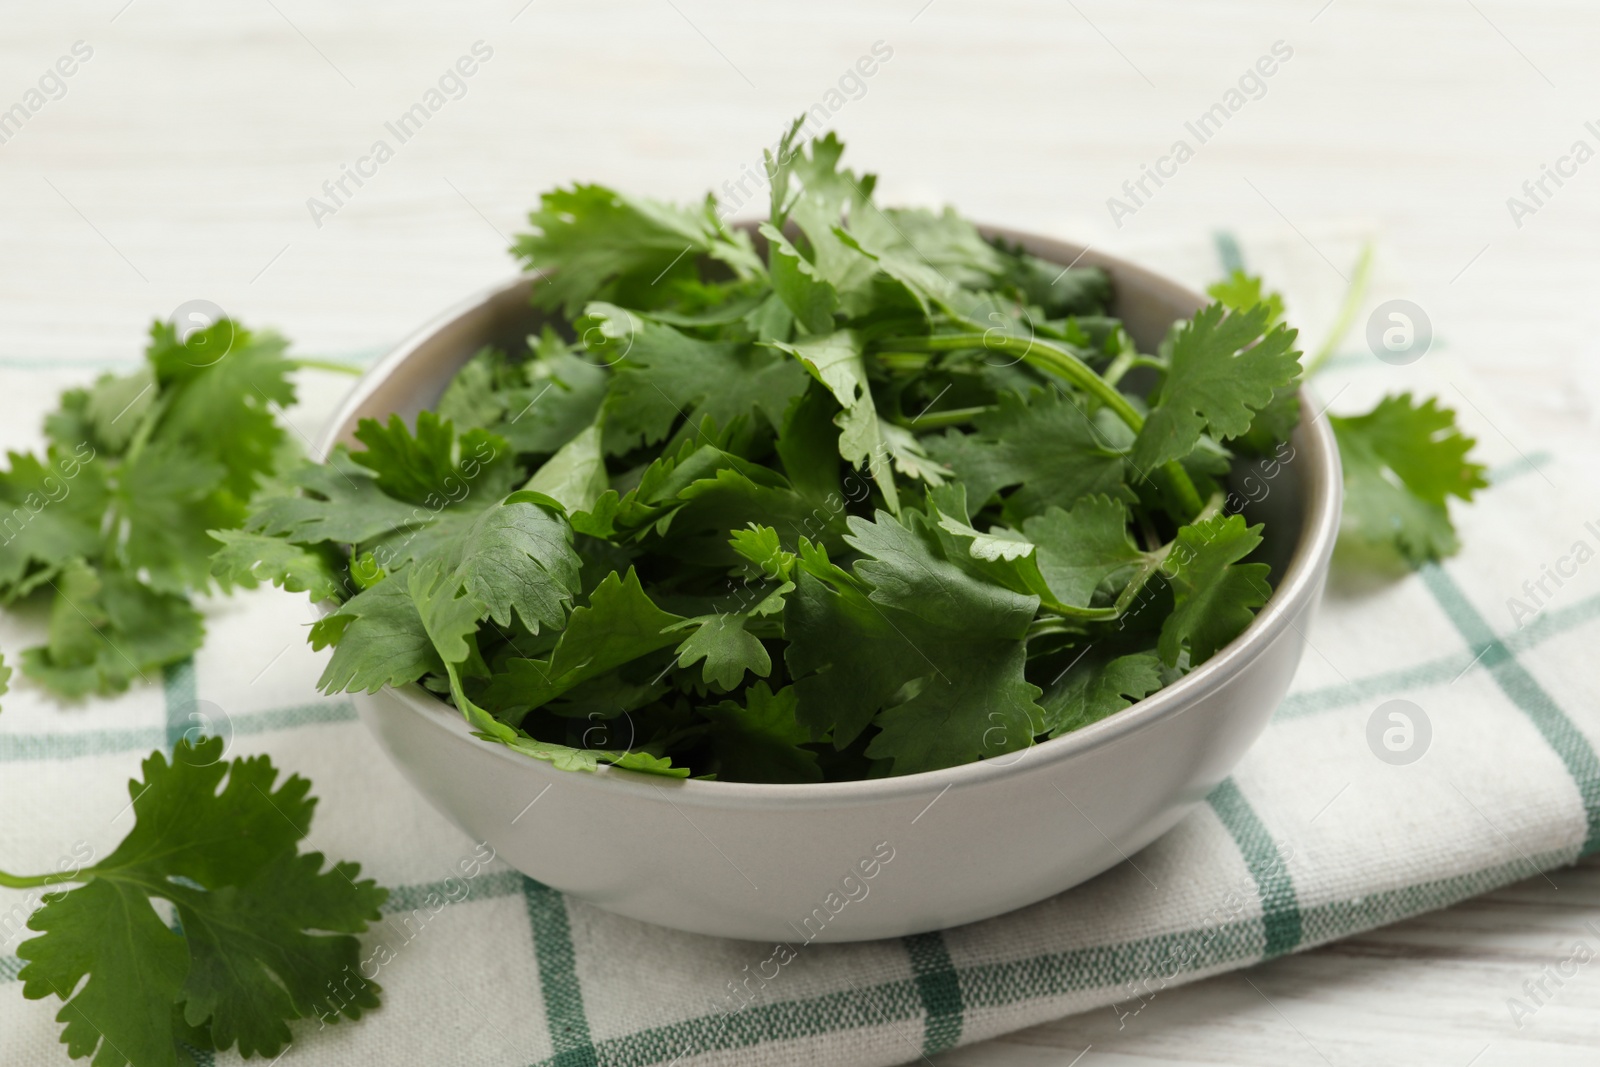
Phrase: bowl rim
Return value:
(1298, 590)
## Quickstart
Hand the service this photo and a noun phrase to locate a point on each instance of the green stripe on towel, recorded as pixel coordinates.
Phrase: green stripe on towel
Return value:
(1280, 908)
(940, 989)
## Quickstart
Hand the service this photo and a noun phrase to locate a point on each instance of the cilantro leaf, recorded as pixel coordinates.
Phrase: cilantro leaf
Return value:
(219, 386)
(1082, 548)
(1224, 367)
(436, 467)
(107, 629)
(601, 243)
(562, 399)
(1214, 595)
(163, 505)
(619, 624)
(1403, 460)
(247, 960)
(51, 510)
(379, 640)
(337, 501)
(662, 375)
(1097, 685)
(810, 297)
(1276, 421)
(1045, 444)
(977, 704)
(835, 360)
(727, 647)
(909, 620)
(907, 570)
(474, 398)
(847, 655)
(519, 556)
(761, 740)
(1241, 291)
(248, 558)
(575, 477)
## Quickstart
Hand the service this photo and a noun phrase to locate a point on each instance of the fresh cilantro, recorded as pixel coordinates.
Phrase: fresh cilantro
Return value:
(264, 933)
(1224, 367)
(664, 378)
(110, 521)
(1403, 460)
(602, 242)
(1214, 595)
(1241, 292)
(1095, 685)
(1043, 443)
(867, 494)
(760, 741)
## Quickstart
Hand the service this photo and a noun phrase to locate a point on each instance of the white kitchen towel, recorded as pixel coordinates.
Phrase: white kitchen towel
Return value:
(1343, 816)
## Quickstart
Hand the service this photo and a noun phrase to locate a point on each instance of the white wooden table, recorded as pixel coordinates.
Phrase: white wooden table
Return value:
(179, 158)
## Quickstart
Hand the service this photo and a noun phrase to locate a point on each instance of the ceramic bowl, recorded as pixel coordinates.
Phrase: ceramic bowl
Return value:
(856, 860)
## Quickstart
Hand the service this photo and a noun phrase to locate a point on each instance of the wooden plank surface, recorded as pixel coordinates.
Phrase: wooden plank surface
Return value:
(177, 162)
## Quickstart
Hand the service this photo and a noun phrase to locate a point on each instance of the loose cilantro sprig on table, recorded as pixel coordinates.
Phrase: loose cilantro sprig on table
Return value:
(864, 494)
(263, 935)
(110, 520)
(1402, 460)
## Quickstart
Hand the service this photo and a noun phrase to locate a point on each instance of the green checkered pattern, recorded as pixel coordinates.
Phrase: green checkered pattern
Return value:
(1313, 838)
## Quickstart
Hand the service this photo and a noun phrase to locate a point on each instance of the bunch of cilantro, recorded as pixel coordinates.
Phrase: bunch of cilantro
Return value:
(110, 521)
(862, 495)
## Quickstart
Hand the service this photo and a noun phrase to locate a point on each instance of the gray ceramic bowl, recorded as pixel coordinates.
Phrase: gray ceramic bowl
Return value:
(855, 860)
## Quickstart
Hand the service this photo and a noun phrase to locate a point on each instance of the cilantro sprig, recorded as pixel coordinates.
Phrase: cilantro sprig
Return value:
(109, 521)
(1403, 460)
(866, 495)
(253, 933)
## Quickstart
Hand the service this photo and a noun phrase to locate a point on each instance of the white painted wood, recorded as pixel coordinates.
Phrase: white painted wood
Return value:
(179, 161)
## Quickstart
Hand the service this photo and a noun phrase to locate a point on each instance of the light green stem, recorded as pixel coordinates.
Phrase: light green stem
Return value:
(329, 365)
(13, 881)
(1059, 361)
(1355, 293)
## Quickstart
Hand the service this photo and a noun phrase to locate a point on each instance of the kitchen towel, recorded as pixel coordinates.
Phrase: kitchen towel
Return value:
(1351, 811)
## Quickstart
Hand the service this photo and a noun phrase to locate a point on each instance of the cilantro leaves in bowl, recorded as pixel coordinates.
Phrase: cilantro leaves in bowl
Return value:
(858, 494)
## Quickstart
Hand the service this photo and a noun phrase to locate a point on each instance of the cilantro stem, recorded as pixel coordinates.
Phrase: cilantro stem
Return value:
(1061, 362)
(1354, 294)
(13, 881)
(328, 365)
(1039, 353)
(938, 420)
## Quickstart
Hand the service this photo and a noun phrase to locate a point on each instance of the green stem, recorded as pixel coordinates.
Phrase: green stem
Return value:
(13, 881)
(1061, 362)
(1355, 293)
(1154, 559)
(1041, 354)
(328, 365)
(938, 420)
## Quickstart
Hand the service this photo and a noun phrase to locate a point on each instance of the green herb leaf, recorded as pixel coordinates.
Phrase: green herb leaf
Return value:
(761, 740)
(265, 931)
(1214, 595)
(618, 625)
(1225, 367)
(1047, 445)
(1097, 685)
(662, 376)
(1403, 460)
(835, 360)
(248, 558)
(599, 243)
